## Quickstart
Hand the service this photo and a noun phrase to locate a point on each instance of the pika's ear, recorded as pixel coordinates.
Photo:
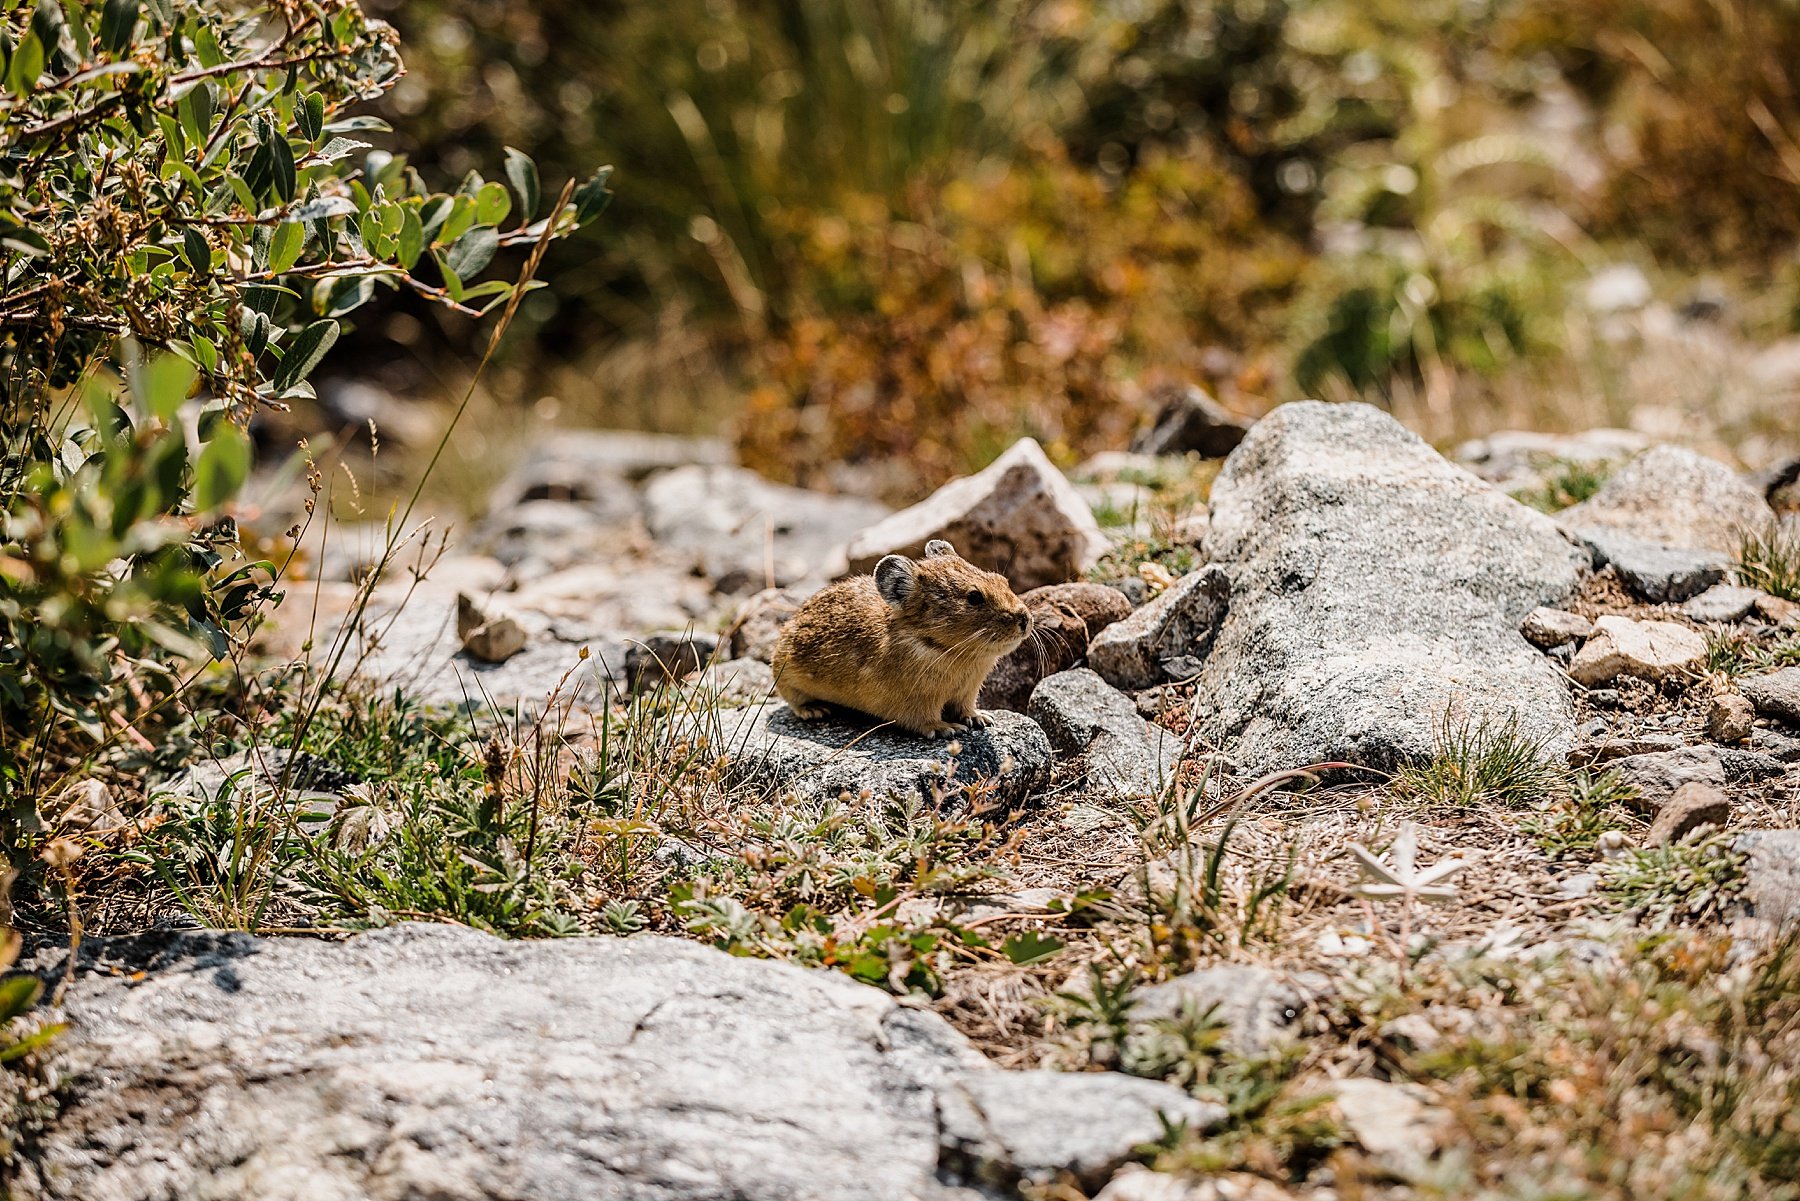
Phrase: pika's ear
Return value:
(936, 547)
(895, 578)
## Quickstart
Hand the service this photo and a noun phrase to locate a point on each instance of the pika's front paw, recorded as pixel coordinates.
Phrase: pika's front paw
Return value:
(979, 721)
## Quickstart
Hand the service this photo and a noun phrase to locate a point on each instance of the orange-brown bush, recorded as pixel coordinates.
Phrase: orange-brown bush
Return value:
(1032, 300)
(1700, 103)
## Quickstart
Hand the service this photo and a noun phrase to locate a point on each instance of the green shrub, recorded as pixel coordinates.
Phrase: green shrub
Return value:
(187, 213)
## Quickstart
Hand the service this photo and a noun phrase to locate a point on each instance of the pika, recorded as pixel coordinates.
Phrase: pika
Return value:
(910, 644)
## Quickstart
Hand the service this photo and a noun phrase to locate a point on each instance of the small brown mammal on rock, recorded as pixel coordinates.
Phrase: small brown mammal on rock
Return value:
(911, 644)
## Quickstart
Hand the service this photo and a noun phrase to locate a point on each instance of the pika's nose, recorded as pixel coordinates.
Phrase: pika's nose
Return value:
(1024, 621)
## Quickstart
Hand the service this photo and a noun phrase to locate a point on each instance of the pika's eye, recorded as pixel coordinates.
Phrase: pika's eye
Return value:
(976, 600)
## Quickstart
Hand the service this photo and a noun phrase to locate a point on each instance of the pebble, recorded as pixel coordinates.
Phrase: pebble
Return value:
(1730, 718)
(1693, 806)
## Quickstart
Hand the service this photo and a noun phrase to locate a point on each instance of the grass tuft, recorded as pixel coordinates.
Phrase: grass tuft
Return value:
(1566, 482)
(1481, 763)
(1769, 559)
(1734, 653)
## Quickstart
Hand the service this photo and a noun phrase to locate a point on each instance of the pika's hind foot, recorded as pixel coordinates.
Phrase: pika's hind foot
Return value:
(810, 711)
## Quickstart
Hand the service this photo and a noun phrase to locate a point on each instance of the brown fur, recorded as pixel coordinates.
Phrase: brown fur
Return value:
(918, 663)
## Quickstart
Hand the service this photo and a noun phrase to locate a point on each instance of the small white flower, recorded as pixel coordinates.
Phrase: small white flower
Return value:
(1400, 878)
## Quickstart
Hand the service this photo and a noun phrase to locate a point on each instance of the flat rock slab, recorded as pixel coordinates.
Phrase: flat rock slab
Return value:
(434, 1061)
(1645, 650)
(1659, 775)
(1657, 573)
(1376, 593)
(746, 532)
(415, 648)
(1727, 602)
(772, 750)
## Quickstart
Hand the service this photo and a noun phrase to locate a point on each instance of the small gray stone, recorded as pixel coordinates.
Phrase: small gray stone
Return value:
(1604, 698)
(1545, 627)
(1657, 573)
(1776, 744)
(1784, 614)
(487, 631)
(772, 750)
(1392, 1122)
(1724, 603)
(1260, 1008)
(1179, 624)
(667, 655)
(1772, 871)
(1775, 695)
(1631, 744)
(1123, 757)
(1658, 775)
(87, 806)
(1692, 806)
(1017, 516)
(1730, 718)
(259, 768)
(1037, 1125)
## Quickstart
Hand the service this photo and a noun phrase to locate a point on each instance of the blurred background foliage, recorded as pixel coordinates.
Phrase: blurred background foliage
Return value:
(880, 238)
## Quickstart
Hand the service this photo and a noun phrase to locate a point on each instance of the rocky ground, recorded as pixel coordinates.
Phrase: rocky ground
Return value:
(1350, 827)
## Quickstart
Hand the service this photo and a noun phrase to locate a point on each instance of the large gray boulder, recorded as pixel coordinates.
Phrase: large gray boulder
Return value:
(434, 1061)
(1376, 593)
(1660, 574)
(772, 751)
